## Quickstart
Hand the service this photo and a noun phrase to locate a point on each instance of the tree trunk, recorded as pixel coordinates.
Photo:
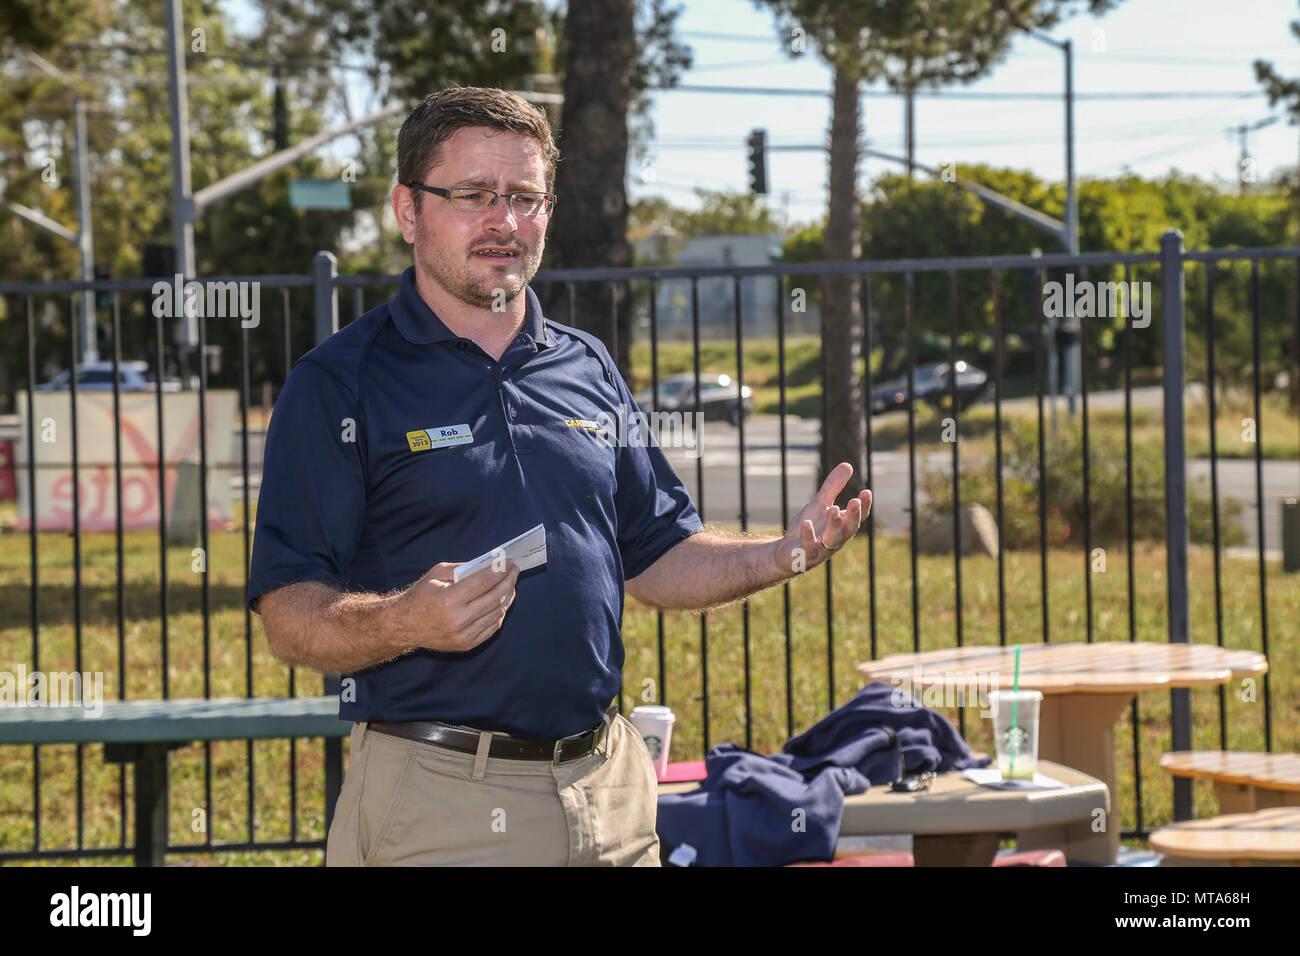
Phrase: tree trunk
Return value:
(844, 435)
(590, 222)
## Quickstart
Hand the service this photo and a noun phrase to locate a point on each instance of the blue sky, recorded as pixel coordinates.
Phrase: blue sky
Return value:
(1172, 46)
(1145, 45)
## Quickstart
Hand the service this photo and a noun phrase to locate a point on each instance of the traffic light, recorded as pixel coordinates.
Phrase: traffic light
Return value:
(758, 162)
(103, 298)
(158, 261)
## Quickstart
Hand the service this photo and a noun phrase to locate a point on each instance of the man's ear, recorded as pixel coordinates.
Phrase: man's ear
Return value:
(404, 210)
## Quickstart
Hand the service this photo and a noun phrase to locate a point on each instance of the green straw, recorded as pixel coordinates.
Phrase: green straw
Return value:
(1015, 706)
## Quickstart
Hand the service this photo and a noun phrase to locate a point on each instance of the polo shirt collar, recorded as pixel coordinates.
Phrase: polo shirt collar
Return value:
(420, 326)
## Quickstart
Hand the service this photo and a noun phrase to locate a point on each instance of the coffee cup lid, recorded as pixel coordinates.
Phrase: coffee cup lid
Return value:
(657, 711)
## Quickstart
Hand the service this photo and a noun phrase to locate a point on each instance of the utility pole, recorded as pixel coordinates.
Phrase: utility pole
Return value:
(1243, 131)
(909, 128)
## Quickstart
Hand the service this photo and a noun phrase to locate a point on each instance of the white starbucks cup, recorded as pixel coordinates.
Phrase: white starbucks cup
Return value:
(654, 723)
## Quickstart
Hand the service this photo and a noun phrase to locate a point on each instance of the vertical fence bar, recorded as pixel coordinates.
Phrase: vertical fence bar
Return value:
(1045, 331)
(162, 508)
(247, 554)
(34, 598)
(956, 471)
(1259, 495)
(785, 497)
(205, 592)
(827, 465)
(1082, 352)
(121, 557)
(744, 504)
(868, 409)
(75, 349)
(662, 697)
(699, 482)
(911, 454)
(1211, 378)
(998, 365)
(1135, 715)
(1171, 281)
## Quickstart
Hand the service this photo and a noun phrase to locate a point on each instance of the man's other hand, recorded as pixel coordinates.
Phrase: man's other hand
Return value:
(449, 615)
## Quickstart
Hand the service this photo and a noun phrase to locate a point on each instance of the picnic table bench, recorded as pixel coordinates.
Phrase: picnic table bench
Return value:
(142, 732)
(1243, 782)
(1264, 836)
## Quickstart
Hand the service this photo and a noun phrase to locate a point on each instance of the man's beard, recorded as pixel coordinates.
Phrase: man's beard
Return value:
(477, 290)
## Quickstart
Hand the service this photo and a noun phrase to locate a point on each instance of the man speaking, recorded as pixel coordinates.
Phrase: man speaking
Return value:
(427, 433)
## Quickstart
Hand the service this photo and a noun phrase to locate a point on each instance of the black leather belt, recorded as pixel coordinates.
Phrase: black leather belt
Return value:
(511, 748)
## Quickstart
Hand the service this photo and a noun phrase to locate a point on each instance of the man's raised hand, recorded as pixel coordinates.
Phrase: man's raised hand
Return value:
(822, 528)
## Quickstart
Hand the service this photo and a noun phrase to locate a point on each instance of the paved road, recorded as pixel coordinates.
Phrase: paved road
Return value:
(719, 443)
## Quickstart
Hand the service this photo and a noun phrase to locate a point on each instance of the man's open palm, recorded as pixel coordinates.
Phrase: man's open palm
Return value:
(822, 528)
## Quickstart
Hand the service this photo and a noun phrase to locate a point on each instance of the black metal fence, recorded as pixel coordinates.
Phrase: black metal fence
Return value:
(153, 632)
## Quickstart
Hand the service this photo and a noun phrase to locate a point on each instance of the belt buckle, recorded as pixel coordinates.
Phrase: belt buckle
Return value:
(595, 744)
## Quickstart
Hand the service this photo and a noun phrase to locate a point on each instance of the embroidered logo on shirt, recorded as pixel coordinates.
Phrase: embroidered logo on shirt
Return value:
(425, 438)
(585, 424)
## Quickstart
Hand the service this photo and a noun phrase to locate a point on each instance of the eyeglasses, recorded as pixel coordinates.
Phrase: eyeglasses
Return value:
(475, 199)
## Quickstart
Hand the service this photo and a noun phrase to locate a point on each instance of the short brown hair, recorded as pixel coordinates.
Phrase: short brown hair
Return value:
(441, 114)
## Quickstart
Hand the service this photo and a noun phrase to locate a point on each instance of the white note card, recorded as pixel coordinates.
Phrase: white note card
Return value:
(528, 551)
(992, 777)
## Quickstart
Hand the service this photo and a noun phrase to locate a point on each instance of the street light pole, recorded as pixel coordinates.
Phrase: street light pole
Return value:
(1070, 233)
(183, 212)
(85, 236)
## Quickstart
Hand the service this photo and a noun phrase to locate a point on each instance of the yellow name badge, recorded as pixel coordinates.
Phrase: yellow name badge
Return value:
(426, 438)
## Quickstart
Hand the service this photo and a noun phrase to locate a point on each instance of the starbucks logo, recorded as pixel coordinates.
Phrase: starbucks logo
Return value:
(656, 746)
(1016, 739)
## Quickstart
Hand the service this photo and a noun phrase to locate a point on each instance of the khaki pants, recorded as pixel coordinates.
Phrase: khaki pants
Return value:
(409, 803)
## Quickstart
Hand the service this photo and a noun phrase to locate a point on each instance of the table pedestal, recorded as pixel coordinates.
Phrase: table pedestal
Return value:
(954, 849)
(1078, 730)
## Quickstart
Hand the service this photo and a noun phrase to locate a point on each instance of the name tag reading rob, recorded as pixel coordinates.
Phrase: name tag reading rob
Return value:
(440, 437)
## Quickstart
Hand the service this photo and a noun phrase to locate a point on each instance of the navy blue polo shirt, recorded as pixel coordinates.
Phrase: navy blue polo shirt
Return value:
(348, 498)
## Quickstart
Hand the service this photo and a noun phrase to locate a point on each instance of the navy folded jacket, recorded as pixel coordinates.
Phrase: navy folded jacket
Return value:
(754, 810)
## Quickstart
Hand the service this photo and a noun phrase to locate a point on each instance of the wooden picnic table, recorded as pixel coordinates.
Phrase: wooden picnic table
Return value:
(957, 822)
(1086, 688)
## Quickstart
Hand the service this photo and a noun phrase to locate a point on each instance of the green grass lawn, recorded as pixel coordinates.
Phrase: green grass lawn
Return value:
(230, 646)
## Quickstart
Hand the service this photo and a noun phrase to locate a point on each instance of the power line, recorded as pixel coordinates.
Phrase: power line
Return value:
(963, 95)
(241, 58)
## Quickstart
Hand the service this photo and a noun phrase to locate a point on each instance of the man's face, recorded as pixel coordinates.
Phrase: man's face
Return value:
(450, 244)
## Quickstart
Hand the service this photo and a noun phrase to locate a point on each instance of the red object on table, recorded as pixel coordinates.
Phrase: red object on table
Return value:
(684, 772)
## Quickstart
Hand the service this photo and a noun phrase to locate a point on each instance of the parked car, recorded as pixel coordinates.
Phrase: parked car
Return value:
(133, 376)
(933, 383)
(719, 397)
